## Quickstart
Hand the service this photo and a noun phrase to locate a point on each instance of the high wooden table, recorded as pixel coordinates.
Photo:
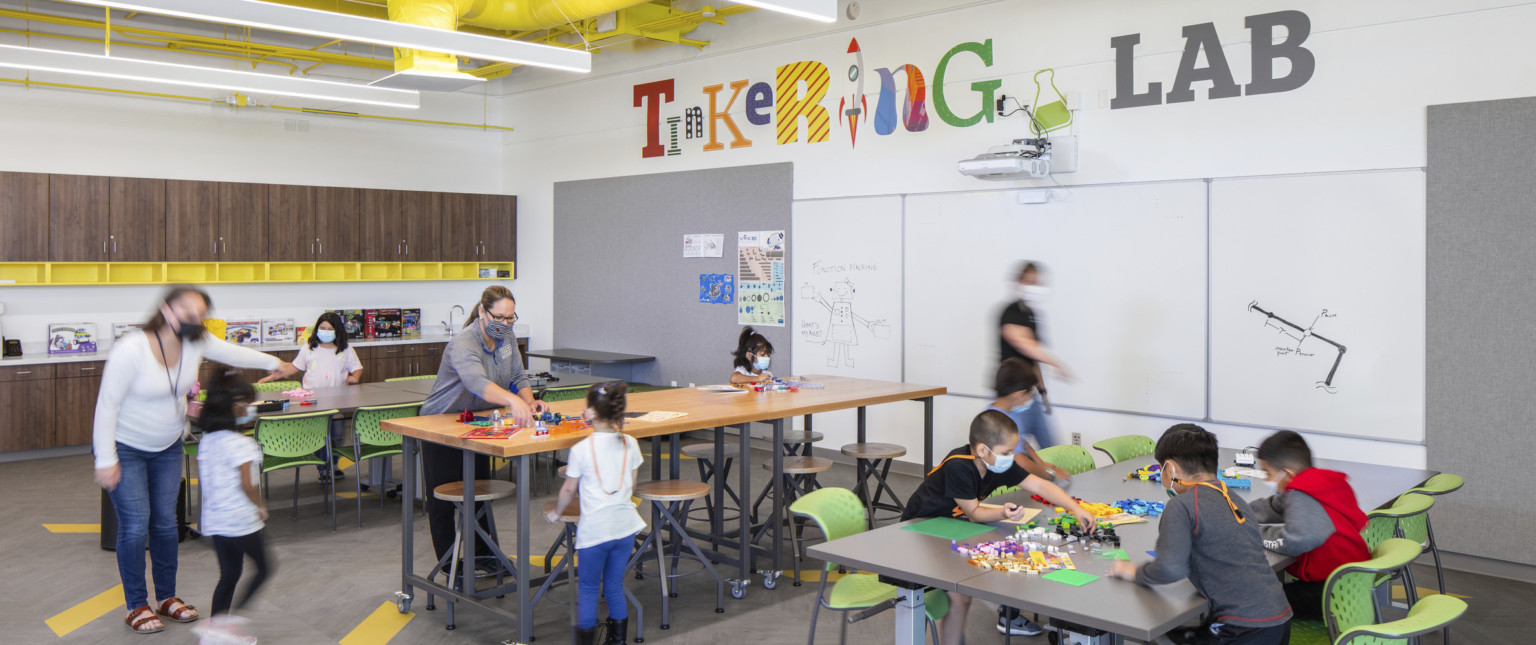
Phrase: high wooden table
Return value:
(705, 411)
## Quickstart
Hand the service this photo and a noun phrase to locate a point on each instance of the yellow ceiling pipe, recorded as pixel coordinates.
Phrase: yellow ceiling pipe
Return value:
(529, 15)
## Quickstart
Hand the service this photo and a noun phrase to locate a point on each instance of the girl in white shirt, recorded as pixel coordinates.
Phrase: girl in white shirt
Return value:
(233, 513)
(327, 361)
(141, 416)
(602, 467)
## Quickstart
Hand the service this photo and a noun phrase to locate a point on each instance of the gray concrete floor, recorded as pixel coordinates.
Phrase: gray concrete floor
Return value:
(327, 583)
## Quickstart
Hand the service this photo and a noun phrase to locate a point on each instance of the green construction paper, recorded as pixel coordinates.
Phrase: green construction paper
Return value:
(1114, 554)
(1070, 577)
(949, 528)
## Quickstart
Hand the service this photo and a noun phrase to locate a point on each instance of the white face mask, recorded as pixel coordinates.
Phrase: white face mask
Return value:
(1032, 294)
(1272, 487)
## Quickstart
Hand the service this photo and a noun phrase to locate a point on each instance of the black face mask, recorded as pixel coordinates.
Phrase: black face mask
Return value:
(190, 331)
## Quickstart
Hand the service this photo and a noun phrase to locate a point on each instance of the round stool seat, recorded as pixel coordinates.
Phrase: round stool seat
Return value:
(572, 512)
(803, 465)
(874, 450)
(802, 437)
(485, 490)
(671, 490)
(707, 450)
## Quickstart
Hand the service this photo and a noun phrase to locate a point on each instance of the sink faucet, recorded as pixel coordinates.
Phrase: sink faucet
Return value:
(452, 328)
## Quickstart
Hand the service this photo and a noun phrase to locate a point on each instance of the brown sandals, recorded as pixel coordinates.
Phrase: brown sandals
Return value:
(176, 610)
(139, 618)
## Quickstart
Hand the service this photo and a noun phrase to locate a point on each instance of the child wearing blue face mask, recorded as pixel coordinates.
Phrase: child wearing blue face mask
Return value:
(968, 474)
(233, 513)
(1016, 385)
(753, 353)
(326, 361)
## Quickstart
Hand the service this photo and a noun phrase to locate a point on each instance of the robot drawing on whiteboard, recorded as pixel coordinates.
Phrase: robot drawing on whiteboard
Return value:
(1300, 334)
(842, 328)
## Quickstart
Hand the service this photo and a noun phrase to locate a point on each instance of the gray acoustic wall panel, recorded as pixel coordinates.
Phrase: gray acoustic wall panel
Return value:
(1481, 369)
(623, 285)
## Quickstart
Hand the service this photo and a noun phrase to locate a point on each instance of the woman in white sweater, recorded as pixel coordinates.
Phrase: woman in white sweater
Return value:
(141, 416)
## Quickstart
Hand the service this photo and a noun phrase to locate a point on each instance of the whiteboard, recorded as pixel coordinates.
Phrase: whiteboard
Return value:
(847, 287)
(1351, 244)
(1127, 312)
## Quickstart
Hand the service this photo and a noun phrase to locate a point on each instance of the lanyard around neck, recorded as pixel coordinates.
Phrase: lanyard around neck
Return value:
(598, 471)
(176, 384)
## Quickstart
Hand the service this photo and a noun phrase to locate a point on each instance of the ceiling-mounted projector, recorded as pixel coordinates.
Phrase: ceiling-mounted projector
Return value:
(1022, 159)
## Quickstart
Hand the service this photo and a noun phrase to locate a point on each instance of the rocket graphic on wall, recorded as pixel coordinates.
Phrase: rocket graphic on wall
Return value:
(853, 109)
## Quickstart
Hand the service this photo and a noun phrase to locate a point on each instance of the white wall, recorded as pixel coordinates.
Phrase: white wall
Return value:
(1379, 64)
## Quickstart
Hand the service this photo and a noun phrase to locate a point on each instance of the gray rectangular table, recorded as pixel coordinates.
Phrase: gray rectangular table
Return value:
(1116, 606)
(612, 364)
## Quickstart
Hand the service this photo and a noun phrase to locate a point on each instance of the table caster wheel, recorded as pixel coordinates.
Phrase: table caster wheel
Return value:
(403, 602)
(738, 589)
(770, 579)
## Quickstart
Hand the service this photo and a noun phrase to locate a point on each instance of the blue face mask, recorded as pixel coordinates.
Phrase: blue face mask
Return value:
(326, 335)
(245, 419)
(1003, 463)
(1020, 408)
(761, 363)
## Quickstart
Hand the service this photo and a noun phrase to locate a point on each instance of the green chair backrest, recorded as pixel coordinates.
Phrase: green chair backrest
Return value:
(837, 511)
(1126, 447)
(422, 377)
(1407, 517)
(1348, 600)
(276, 386)
(1440, 484)
(294, 435)
(1073, 458)
(366, 423)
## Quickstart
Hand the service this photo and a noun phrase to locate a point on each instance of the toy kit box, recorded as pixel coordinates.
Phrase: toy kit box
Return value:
(277, 331)
(243, 332)
(72, 338)
(410, 323)
(384, 323)
(354, 321)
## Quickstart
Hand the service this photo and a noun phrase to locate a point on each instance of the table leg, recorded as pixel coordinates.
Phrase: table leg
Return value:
(655, 458)
(911, 617)
(676, 456)
(862, 415)
(524, 570)
(407, 524)
(779, 492)
(744, 470)
(716, 521)
(927, 434)
(467, 530)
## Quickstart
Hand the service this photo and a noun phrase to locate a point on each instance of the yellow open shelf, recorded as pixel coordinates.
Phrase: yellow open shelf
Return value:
(141, 273)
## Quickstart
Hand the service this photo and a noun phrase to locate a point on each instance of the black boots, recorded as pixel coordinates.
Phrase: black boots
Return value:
(586, 636)
(617, 631)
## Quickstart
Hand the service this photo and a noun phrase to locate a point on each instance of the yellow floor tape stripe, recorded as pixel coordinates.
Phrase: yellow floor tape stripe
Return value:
(73, 528)
(351, 495)
(344, 463)
(379, 627)
(77, 616)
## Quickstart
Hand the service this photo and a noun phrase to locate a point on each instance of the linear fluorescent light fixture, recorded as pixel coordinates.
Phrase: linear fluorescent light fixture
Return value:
(328, 24)
(818, 10)
(171, 73)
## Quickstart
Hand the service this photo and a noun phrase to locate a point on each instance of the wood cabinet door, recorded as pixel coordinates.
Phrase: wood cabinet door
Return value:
(243, 222)
(336, 225)
(77, 218)
(291, 223)
(74, 405)
(498, 228)
(421, 221)
(460, 238)
(380, 225)
(26, 414)
(23, 217)
(191, 221)
(136, 219)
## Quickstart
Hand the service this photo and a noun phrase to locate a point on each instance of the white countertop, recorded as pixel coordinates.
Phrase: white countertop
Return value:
(37, 353)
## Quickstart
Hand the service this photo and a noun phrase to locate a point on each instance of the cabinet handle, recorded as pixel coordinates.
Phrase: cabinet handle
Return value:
(23, 373)
(114, 243)
(321, 245)
(215, 248)
(83, 369)
(103, 247)
(407, 247)
(223, 247)
(397, 249)
(311, 248)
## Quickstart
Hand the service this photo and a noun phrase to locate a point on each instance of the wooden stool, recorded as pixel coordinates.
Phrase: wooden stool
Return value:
(874, 461)
(704, 454)
(670, 499)
(798, 443)
(486, 491)
(799, 478)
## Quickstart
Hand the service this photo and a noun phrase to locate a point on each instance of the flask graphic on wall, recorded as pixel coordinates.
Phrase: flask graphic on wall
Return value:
(1050, 106)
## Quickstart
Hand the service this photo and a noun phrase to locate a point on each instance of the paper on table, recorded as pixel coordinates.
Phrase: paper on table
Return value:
(949, 528)
(657, 416)
(1029, 513)
(1070, 577)
(728, 389)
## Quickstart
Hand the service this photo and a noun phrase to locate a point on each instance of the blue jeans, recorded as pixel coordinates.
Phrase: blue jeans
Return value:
(602, 567)
(145, 501)
(1033, 423)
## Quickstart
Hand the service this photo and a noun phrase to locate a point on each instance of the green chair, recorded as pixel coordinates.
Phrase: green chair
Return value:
(1126, 447)
(423, 377)
(1073, 458)
(1441, 484)
(291, 441)
(839, 514)
(1350, 608)
(277, 386)
(371, 441)
(557, 394)
(1407, 517)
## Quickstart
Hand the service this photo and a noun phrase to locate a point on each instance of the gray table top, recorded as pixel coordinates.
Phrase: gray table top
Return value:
(1138, 612)
(589, 356)
(346, 399)
(570, 380)
(417, 386)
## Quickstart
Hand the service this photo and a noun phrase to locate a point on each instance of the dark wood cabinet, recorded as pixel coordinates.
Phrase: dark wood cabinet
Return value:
(336, 225)
(479, 228)
(242, 216)
(77, 218)
(26, 412)
(312, 224)
(23, 217)
(499, 228)
(136, 219)
(422, 222)
(74, 403)
(399, 226)
(192, 221)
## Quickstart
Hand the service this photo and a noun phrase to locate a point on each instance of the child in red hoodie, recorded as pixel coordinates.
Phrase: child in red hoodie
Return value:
(1312, 516)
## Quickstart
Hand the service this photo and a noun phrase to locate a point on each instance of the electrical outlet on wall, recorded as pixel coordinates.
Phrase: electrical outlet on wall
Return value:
(1077, 438)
